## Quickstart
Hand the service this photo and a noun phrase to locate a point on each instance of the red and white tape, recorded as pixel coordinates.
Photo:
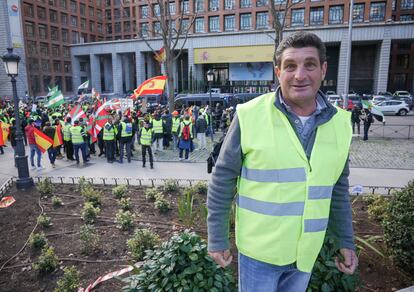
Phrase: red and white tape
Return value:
(105, 278)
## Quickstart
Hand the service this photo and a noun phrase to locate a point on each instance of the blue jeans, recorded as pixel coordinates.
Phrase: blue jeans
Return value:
(127, 145)
(82, 147)
(52, 152)
(35, 150)
(256, 276)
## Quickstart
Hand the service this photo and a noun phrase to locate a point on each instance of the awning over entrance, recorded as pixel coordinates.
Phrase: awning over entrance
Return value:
(234, 54)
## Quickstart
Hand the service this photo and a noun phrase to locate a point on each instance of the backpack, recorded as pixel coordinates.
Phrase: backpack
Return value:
(128, 128)
(212, 158)
(186, 133)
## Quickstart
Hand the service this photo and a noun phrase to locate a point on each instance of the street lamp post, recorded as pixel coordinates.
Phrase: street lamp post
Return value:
(210, 78)
(24, 181)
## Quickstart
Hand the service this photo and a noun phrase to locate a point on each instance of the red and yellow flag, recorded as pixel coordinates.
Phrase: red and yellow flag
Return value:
(58, 139)
(153, 85)
(160, 56)
(6, 201)
(4, 133)
(42, 140)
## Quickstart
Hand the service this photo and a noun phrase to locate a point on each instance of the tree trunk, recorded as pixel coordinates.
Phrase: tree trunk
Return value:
(170, 81)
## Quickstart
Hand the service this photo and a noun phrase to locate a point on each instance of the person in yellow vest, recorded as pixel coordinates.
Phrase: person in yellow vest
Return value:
(67, 139)
(145, 138)
(109, 134)
(158, 132)
(77, 134)
(125, 139)
(175, 125)
(287, 154)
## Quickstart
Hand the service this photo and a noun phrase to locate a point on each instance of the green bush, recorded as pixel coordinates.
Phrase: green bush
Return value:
(201, 188)
(171, 186)
(92, 195)
(45, 187)
(151, 194)
(56, 201)
(120, 191)
(125, 204)
(89, 238)
(38, 240)
(83, 183)
(47, 262)
(44, 220)
(142, 240)
(125, 219)
(89, 212)
(70, 281)
(398, 228)
(185, 204)
(377, 209)
(162, 204)
(325, 275)
(180, 264)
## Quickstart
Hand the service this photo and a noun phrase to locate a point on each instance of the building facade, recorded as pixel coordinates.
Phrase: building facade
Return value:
(69, 41)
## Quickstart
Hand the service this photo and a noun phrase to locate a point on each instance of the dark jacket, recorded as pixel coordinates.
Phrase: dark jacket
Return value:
(49, 131)
(201, 125)
(355, 115)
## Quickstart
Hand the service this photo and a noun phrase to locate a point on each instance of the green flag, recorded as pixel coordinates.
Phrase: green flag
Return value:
(52, 91)
(84, 85)
(55, 100)
(374, 110)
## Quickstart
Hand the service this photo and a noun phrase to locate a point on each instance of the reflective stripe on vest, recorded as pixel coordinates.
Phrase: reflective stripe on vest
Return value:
(175, 124)
(146, 136)
(66, 132)
(157, 126)
(123, 132)
(284, 199)
(76, 133)
(108, 135)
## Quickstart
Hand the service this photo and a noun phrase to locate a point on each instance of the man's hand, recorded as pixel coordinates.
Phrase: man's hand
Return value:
(222, 258)
(350, 262)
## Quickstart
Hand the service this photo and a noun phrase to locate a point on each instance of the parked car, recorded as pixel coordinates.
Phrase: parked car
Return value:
(385, 93)
(393, 107)
(402, 93)
(200, 99)
(330, 92)
(380, 98)
(41, 99)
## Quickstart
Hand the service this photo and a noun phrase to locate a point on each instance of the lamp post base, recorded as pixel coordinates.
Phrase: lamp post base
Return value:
(24, 181)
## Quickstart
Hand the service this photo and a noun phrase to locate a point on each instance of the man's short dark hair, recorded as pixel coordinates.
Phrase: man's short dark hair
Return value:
(298, 40)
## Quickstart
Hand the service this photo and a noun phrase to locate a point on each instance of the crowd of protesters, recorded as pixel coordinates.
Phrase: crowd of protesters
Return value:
(154, 129)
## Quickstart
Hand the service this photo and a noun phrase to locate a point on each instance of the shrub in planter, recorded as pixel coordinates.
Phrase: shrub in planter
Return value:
(162, 204)
(83, 183)
(325, 275)
(398, 228)
(70, 281)
(89, 212)
(56, 201)
(89, 238)
(120, 191)
(38, 240)
(201, 188)
(151, 194)
(171, 186)
(142, 240)
(45, 187)
(185, 204)
(44, 220)
(377, 209)
(180, 264)
(125, 204)
(47, 262)
(92, 195)
(125, 219)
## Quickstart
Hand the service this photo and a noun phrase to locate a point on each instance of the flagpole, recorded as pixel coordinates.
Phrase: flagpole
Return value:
(348, 54)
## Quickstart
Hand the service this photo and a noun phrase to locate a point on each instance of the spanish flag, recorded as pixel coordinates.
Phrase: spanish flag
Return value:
(42, 140)
(57, 139)
(160, 56)
(153, 85)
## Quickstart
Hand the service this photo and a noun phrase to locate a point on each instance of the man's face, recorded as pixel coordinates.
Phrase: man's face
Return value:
(300, 74)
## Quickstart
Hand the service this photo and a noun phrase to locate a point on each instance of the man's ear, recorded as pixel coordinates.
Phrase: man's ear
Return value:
(277, 71)
(324, 68)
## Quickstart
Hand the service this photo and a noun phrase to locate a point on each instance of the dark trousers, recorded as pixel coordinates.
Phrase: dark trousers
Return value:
(110, 150)
(366, 129)
(358, 126)
(69, 149)
(1, 150)
(127, 145)
(82, 148)
(51, 152)
(144, 149)
(186, 153)
(166, 140)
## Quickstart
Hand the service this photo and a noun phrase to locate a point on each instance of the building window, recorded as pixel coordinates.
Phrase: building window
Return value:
(82, 66)
(157, 11)
(64, 19)
(74, 21)
(377, 11)
(229, 4)
(82, 9)
(213, 5)
(53, 15)
(31, 47)
(99, 15)
(83, 23)
(33, 64)
(67, 67)
(73, 7)
(144, 29)
(280, 16)
(245, 3)
(91, 26)
(91, 12)
(68, 83)
(298, 17)
(28, 10)
(117, 27)
(403, 61)
(229, 22)
(399, 80)
(171, 6)
(214, 24)
(157, 28)
(52, 3)
(44, 50)
(316, 16)
(185, 7)
(336, 14)
(75, 37)
(199, 6)
(99, 27)
(406, 17)
(65, 35)
(262, 19)
(199, 25)
(66, 52)
(144, 11)
(407, 4)
(30, 30)
(108, 28)
(245, 21)
(358, 13)
(41, 13)
(279, 2)
(45, 65)
(185, 25)
(54, 33)
(261, 3)
(42, 31)
(56, 66)
(55, 51)
(63, 4)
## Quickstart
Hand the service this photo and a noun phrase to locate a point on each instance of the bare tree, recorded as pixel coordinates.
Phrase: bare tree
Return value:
(173, 28)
